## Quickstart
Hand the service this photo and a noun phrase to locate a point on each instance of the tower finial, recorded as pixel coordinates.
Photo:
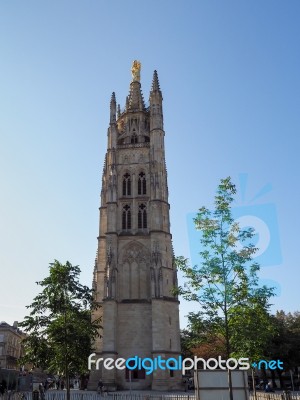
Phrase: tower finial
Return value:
(136, 71)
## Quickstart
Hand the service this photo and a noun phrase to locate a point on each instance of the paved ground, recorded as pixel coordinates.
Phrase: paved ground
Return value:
(141, 393)
(156, 392)
(136, 392)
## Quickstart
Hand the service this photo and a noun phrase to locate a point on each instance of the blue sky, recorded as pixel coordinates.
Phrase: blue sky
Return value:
(229, 72)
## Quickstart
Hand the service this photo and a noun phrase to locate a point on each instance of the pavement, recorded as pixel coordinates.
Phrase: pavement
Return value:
(133, 392)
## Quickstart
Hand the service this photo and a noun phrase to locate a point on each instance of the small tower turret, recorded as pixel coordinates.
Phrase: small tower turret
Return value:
(113, 108)
(157, 134)
(112, 131)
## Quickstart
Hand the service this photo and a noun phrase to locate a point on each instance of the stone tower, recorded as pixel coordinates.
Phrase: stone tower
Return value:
(134, 270)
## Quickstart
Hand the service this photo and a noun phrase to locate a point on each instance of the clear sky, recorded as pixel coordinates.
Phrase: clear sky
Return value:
(229, 72)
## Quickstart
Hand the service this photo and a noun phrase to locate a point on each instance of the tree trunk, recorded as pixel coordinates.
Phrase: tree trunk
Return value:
(273, 379)
(253, 384)
(280, 379)
(68, 384)
(227, 342)
(230, 384)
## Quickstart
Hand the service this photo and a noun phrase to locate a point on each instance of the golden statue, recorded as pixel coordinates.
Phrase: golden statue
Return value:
(136, 71)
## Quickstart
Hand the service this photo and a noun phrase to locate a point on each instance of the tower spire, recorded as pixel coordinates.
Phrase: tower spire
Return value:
(113, 108)
(155, 83)
(156, 113)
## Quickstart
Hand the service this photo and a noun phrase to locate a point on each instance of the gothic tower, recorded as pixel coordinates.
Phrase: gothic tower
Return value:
(134, 270)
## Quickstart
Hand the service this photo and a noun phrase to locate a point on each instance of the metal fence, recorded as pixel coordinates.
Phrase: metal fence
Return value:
(58, 395)
(275, 396)
(132, 396)
(80, 395)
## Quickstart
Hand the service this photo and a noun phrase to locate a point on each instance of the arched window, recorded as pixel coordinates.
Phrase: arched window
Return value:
(126, 185)
(134, 374)
(142, 187)
(142, 217)
(126, 217)
(134, 138)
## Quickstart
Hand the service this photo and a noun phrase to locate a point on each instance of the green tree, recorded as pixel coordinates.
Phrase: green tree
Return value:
(226, 284)
(286, 342)
(199, 339)
(59, 326)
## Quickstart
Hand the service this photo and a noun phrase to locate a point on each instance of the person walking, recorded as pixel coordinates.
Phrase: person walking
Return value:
(100, 387)
(42, 391)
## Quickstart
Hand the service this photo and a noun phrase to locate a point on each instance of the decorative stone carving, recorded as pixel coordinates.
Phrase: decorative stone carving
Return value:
(160, 282)
(135, 252)
(153, 283)
(113, 283)
(156, 256)
(109, 252)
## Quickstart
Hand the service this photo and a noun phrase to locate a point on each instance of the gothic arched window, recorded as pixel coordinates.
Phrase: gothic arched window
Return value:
(142, 217)
(142, 187)
(126, 217)
(126, 185)
(134, 138)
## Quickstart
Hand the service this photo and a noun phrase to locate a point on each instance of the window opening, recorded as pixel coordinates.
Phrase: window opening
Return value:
(126, 185)
(126, 217)
(142, 186)
(142, 217)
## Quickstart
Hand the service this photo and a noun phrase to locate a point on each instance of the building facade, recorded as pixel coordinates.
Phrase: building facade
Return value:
(134, 270)
(10, 345)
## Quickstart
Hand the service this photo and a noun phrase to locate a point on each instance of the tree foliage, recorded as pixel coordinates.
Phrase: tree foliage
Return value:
(59, 327)
(233, 304)
(286, 343)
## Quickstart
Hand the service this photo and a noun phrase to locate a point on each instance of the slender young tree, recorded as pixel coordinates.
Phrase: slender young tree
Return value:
(59, 326)
(226, 284)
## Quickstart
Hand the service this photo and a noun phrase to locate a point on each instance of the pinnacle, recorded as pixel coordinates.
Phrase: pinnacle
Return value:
(135, 98)
(113, 98)
(155, 83)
